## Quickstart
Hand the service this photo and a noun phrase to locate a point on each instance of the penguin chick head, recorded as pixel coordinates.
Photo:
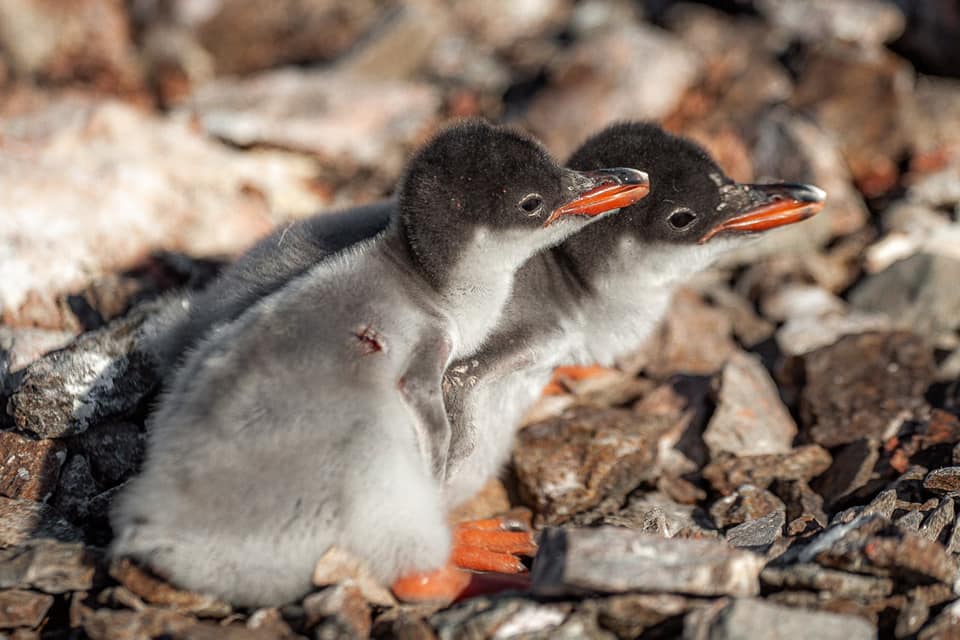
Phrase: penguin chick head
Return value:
(692, 203)
(477, 189)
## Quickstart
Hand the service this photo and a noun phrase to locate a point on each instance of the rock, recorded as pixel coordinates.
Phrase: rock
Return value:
(871, 544)
(157, 592)
(503, 24)
(655, 514)
(100, 375)
(29, 468)
(340, 606)
(801, 501)
(20, 608)
(743, 618)
(491, 500)
(694, 339)
(232, 37)
(803, 463)
(588, 457)
(633, 71)
(758, 534)
(21, 520)
(852, 468)
(944, 625)
(76, 489)
(945, 480)
(802, 335)
(862, 385)
(115, 450)
(29, 343)
(348, 122)
(88, 41)
(938, 520)
(934, 122)
(801, 301)
(748, 327)
(747, 503)
(160, 185)
(813, 577)
(618, 560)
(629, 615)
(750, 419)
(112, 624)
(868, 23)
(482, 617)
(337, 566)
(918, 291)
(871, 138)
(47, 565)
(686, 400)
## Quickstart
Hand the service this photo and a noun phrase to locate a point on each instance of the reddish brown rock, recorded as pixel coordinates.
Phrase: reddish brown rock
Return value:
(47, 565)
(20, 608)
(748, 503)
(945, 480)
(29, 468)
(862, 385)
(86, 41)
(155, 591)
(583, 459)
(803, 463)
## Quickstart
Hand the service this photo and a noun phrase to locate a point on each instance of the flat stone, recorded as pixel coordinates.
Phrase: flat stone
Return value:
(630, 614)
(744, 618)
(22, 520)
(801, 301)
(802, 463)
(813, 577)
(150, 622)
(568, 465)
(862, 385)
(29, 468)
(918, 291)
(346, 120)
(619, 560)
(758, 534)
(805, 334)
(47, 565)
(852, 468)
(633, 71)
(747, 503)
(945, 480)
(20, 608)
(157, 592)
(160, 186)
(483, 617)
(750, 418)
(653, 513)
(937, 521)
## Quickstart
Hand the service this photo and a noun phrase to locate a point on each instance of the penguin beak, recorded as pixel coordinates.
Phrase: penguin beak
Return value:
(599, 191)
(759, 207)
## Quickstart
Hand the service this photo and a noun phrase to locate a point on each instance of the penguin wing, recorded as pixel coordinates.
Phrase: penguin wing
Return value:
(421, 386)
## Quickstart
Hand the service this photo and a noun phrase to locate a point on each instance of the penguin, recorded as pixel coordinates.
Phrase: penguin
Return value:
(315, 419)
(600, 293)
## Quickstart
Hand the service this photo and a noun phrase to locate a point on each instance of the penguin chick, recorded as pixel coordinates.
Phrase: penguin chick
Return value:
(599, 294)
(316, 419)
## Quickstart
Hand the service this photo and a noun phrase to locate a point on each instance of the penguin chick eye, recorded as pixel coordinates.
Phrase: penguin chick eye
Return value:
(681, 218)
(531, 203)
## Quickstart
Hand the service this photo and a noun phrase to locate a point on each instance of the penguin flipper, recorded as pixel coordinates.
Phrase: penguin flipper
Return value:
(421, 387)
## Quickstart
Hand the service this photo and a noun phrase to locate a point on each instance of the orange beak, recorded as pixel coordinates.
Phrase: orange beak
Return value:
(603, 190)
(771, 206)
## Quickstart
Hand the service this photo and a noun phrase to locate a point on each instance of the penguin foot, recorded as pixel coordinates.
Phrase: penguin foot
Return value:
(444, 585)
(492, 545)
(562, 378)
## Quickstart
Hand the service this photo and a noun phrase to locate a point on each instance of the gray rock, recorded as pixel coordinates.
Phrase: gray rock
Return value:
(813, 577)
(751, 619)
(115, 450)
(750, 418)
(938, 520)
(919, 291)
(759, 534)
(619, 560)
(801, 301)
(804, 334)
(77, 488)
(481, 617)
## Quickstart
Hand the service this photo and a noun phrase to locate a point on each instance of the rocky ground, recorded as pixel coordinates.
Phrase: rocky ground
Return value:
(781, 460)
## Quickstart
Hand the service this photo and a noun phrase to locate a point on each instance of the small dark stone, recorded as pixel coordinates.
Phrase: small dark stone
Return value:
(759, 534)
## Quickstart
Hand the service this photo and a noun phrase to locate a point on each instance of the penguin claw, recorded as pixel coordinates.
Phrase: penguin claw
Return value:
(564, 377)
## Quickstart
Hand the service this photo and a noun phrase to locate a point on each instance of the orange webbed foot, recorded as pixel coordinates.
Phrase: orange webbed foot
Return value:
(445, 585)
(492, 545)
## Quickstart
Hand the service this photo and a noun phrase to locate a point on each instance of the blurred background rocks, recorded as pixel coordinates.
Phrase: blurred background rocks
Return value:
(789, 439)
